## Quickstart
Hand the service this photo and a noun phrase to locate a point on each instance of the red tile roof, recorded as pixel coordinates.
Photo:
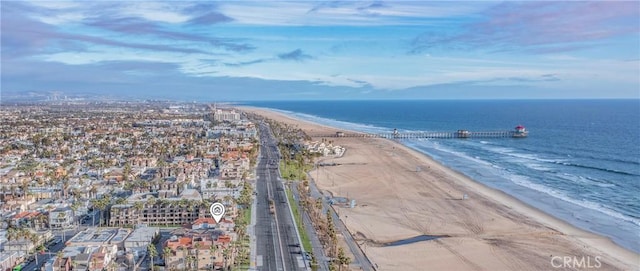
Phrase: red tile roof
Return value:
(224, 239)
(203, 220)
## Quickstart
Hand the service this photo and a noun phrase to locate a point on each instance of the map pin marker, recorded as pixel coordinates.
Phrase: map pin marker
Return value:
(217, 211)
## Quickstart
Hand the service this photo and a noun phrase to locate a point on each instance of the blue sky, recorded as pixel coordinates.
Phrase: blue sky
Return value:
(240, 50)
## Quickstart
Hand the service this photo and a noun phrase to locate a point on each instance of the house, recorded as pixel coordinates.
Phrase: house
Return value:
(62, 264)
(204, 223)
(61, 218)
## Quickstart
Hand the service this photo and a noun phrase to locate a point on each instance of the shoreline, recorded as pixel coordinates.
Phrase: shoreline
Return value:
(489, 230)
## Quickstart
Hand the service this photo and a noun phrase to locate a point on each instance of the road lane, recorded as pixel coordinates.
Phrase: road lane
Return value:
(277, 241)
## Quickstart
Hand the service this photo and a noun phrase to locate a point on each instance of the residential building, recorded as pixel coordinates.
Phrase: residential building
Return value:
(222, 115)
(61, 218)
(140, 238)
(158, 212)
(220, 189)
(198, 250)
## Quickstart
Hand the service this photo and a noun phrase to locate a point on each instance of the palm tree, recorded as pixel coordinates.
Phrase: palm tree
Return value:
(125, 172)
(152, 253)
(12, 234)
(212, 251)
(94, 263)
(100, 204)
(65, 187)
(93, 190)
(318, 208)
(331, 233)
(24, 186)
(4, 191)
(184, 254)
(74, 207)
(121, 201)
(34, 238)
(229, 199)
(225, 255)
(166, 252)
(343, 260)
(13, 191)
(138, 205)
(42, 220)
(198, 245)
(190, 261)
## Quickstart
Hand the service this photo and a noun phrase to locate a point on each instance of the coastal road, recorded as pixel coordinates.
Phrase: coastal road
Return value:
(277, 241)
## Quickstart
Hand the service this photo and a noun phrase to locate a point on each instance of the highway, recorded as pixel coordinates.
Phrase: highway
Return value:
(278, 245)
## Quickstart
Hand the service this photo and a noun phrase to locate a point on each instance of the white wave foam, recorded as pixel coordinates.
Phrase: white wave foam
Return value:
(527, 159)
(523, 181)
(538, 167)
(583, 180)
(460, 154)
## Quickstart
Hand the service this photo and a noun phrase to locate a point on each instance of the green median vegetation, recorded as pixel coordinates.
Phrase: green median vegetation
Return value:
(294, 170)
(306, 243)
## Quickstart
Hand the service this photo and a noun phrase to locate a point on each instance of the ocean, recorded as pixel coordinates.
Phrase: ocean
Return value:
(580, 162)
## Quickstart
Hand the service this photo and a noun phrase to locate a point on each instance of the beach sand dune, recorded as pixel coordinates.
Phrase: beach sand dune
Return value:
(401, 194)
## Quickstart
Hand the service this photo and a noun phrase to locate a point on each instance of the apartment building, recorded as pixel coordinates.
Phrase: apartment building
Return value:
(158, 212)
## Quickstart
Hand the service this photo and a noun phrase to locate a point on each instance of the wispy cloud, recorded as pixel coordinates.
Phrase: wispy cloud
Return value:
(139, 26)
(540, 27)
(344, 13)
(296, 55)
(211, 18)
(246, 63)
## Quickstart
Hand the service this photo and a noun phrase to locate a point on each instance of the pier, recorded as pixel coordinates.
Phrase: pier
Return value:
(518, 132)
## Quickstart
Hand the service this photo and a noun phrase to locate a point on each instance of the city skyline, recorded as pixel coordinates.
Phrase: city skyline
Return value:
(322, 50)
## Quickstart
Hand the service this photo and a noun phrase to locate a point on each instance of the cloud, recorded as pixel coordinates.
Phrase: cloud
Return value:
(540, 27)
(343, 13)
(119, 17)
(361, 83)
(137, 26)
(123, 80)
(211, 18)
(167, 12)
(246, 63)
(296, 55)
(328, 5)
(24, 36)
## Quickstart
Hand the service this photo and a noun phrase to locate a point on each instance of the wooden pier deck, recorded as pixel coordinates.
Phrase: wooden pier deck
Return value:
(434, 135)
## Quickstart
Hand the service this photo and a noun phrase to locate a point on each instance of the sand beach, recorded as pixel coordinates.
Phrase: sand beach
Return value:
(402, 194)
